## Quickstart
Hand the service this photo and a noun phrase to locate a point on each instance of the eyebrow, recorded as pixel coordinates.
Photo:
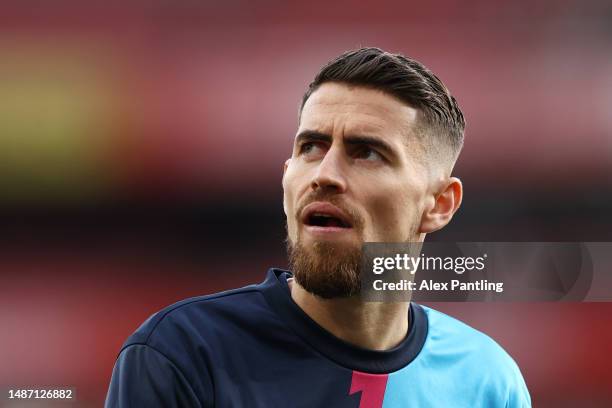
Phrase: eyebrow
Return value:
(354, 140)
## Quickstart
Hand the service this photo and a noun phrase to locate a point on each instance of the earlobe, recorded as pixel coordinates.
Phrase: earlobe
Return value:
(443, 206)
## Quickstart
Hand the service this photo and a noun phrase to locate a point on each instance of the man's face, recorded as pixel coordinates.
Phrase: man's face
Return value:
(356, 175)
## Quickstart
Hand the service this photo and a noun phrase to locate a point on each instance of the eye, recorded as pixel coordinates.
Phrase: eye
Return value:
(365, 153)
(310, 149)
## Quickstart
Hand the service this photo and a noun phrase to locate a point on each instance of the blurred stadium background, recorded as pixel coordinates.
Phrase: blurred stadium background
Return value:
(141, 151)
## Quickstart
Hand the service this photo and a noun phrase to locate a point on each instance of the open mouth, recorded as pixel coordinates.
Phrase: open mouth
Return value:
(325, 215)
(325, 220)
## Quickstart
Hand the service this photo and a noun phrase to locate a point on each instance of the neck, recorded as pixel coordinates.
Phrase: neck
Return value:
(370, 325)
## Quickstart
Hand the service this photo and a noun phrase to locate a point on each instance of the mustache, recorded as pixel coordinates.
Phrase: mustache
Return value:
(355, 218)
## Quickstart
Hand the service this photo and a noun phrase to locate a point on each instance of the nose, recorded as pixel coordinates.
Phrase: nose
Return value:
(330, 172)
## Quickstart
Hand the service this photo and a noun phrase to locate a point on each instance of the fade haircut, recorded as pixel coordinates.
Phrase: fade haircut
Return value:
(406, 79)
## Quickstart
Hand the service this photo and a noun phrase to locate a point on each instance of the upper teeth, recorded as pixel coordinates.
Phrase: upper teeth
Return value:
(321, 215)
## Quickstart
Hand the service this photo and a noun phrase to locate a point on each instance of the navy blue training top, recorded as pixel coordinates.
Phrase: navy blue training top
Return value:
(255, 347)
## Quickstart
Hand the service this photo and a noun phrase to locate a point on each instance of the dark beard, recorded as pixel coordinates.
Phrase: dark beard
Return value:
(326, 270)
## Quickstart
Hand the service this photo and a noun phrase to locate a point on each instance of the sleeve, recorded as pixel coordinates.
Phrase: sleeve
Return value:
(519, 396)
(144, 377)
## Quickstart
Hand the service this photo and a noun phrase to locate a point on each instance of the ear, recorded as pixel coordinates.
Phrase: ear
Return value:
(442, 206)
(285, 166)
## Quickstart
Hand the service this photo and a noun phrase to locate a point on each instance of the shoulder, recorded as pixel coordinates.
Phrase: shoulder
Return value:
(443, 327)
(450, 333)
(188, 319)
(474, 354)
(167, 360)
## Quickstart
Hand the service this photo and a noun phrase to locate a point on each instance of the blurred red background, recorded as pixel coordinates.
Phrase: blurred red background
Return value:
(141, 151)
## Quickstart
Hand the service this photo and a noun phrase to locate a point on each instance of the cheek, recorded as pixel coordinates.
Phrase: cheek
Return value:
(393, 215)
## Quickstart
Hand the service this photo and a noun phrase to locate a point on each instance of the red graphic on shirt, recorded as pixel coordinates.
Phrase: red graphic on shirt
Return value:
(372, 387)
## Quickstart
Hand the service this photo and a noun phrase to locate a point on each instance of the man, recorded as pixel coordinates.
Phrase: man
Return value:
(377, 140)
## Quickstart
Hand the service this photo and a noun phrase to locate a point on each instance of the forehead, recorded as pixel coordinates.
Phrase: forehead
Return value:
(336, 107)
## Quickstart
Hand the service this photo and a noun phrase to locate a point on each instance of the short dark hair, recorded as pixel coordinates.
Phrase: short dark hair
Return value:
(402, 77)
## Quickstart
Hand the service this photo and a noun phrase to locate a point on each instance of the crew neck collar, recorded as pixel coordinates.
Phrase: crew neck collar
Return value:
(276, 291)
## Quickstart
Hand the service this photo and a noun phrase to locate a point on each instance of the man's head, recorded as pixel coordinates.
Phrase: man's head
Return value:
(377, 140)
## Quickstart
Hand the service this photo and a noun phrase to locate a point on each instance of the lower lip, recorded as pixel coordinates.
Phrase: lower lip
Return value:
(326, 230)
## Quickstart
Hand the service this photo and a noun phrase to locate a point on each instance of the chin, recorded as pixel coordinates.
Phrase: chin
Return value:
(328, 269)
